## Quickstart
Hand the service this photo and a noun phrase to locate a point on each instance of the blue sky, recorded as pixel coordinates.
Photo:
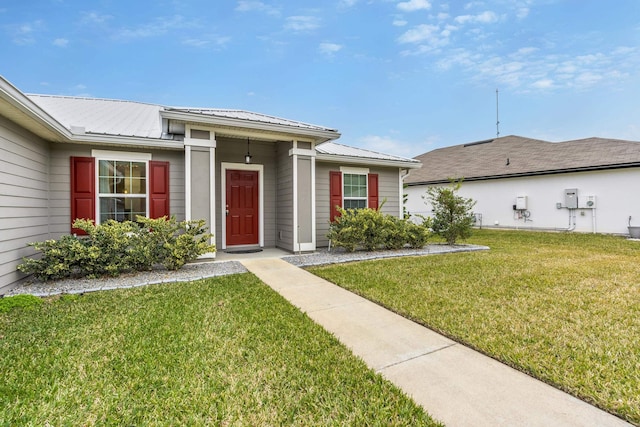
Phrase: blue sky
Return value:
(403, 77)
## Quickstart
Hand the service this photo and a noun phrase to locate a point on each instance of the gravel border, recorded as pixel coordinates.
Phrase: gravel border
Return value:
(204, 270)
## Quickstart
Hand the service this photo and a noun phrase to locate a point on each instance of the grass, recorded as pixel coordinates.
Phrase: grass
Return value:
(564, 308)
(226, 351)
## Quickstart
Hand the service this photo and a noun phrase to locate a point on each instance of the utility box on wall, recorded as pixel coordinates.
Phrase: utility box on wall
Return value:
(521, 203)
(587, 202)
(571, 198)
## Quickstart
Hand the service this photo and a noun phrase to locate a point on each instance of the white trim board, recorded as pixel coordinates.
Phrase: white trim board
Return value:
(223, 198)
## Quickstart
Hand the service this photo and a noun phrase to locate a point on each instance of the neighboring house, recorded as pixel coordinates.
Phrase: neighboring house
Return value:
(257, 180)
(586, 185)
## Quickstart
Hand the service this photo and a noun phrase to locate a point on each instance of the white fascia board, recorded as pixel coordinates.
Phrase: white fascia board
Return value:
(371, 162)
(21, 102)
(317, 134)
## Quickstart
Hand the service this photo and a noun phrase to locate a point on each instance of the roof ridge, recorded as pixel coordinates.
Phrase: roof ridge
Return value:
(90, 98)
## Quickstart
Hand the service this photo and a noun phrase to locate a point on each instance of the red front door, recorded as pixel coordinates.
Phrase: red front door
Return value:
(242, 207)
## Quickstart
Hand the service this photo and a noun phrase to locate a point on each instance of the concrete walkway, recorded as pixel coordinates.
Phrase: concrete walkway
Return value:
(454, 384)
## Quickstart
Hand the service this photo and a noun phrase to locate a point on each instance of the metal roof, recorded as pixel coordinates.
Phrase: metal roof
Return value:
(103, 116)
(343, 151)
(247, 115)
(137, 119)
(518, 156)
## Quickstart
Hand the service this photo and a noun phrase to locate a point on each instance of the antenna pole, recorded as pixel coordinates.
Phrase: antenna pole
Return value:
(497, 117)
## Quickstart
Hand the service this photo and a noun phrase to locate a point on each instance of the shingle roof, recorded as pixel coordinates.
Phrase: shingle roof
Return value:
(519, 156)
(335, 149)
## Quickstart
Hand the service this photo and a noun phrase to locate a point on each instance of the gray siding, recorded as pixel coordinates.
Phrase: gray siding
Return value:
(231, 150)
(285, 197)
(61, 185)
(388, 188)
(24, 198)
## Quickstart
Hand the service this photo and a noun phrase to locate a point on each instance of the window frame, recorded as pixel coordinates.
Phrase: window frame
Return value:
(120, 156)
(364, 172)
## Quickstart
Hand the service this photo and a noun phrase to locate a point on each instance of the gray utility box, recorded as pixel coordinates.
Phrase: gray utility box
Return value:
(571, 198)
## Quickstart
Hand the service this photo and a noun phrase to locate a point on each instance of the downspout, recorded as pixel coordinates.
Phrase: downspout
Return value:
(403, 174)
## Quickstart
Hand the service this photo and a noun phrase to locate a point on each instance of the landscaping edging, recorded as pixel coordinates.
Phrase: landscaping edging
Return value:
(204, 270)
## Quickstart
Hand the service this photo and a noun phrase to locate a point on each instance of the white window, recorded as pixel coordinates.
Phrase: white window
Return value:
(122, 190)
(355, 190)
(122, 185)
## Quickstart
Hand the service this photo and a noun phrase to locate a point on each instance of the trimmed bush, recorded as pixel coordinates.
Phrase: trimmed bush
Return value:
(372, 230)
(112, 248)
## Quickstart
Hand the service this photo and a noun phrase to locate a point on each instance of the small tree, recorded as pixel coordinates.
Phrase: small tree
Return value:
(452, 214)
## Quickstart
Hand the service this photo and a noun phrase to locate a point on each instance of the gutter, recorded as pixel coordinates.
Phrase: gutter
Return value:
(368, 161)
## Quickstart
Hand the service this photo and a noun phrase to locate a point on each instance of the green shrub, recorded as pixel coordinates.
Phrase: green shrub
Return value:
(115, 247)
(452, 214)
(371, 230)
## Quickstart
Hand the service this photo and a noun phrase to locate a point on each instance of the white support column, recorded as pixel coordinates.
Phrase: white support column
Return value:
(187, 182)
(313, 197)
(296, 235)
(212, 187)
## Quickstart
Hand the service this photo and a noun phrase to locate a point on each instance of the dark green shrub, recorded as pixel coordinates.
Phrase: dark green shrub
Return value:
(115, 247)
(371, 230)
(417, 235)
(60, 258)
(396, 233)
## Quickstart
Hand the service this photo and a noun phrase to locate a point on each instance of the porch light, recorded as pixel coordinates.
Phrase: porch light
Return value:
(247, 157)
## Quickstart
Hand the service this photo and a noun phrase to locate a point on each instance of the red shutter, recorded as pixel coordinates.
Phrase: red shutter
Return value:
(158, 189)
(83, 190)
(335, 193)
(372, 188)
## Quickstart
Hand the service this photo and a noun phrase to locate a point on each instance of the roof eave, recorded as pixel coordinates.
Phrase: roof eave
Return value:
(128, 141)
(334, 158)
(319, 135)
(533, 173)
(22, 104)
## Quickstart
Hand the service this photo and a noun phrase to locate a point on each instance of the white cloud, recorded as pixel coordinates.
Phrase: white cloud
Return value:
(329, 48)
(91, 18)
(543, 84)
(24, 34)
(158, 27)
(522, 12)
(302, 23)
(61, 42)
(256, 6)
(413, 5)
(386, 144)
(208, 41)
(486, 17)
(399, 22)
(348, 3)
(421, 33)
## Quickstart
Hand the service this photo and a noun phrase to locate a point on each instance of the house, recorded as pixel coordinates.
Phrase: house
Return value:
(586, 185)
(257, 180)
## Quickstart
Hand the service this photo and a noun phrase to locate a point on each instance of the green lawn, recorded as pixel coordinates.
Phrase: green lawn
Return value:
(562, 307)
(226, 351)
